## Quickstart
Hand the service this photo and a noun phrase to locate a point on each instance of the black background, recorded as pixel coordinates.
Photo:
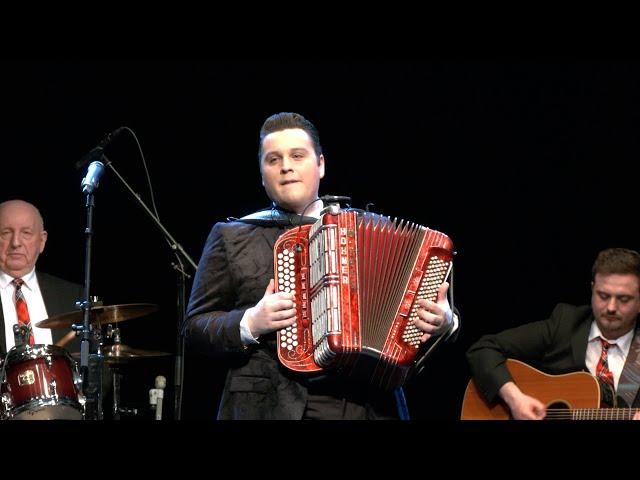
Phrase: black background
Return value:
(528, 166)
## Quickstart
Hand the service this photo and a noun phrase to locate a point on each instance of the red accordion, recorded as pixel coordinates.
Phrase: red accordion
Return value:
(356, 277)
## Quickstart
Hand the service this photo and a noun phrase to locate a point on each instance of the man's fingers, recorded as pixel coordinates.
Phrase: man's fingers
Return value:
(285, 314)
(270, 288)
(280, 324)
(442, 292)
(427, 317)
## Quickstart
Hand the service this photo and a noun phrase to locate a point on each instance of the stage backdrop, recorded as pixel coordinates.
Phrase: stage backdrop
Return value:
(527, 166)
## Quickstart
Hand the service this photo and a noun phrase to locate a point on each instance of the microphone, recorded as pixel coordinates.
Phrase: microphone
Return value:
(97, 152)
(156, 395)
(92, 179)
(160, 383)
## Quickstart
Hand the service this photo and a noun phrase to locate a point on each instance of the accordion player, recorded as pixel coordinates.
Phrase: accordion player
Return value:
(356, 277)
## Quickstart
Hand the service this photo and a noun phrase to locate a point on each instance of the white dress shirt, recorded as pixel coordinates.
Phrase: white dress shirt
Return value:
(35, 305)
(616, 356)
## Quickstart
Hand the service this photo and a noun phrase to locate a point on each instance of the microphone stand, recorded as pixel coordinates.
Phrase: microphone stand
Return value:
(90, 364)
(181, 291)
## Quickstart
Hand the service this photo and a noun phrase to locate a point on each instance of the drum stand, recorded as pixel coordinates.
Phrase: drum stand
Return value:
(92, 374)
(117, 377)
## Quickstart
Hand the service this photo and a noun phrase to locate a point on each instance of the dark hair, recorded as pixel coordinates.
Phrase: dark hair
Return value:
(285, 120)
(617, 261)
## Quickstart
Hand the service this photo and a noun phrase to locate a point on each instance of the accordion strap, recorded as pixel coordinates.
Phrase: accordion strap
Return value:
(277, 217)
(630, 376)
(274, 217)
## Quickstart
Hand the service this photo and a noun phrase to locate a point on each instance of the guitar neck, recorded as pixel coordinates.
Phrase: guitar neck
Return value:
(591, 413)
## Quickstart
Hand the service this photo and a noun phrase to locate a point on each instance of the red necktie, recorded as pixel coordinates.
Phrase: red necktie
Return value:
(602, 368)
(21, 308)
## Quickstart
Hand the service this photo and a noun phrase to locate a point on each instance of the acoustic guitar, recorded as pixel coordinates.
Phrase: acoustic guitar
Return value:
(572, 396)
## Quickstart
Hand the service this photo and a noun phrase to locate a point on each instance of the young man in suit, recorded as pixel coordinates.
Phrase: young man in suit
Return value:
(233, 311)
(600, 338)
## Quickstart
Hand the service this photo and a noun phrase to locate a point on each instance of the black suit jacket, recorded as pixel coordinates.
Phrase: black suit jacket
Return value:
(555, 346)
(59, 297)
(233, 273)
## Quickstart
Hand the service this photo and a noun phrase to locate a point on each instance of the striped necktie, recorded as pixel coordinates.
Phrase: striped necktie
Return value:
(21, 308)
(602, 368)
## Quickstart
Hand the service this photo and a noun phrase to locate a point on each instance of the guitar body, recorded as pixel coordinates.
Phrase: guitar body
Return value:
(579, 390)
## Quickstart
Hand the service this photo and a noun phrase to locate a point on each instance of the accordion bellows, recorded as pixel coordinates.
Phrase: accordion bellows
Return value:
(356, 277)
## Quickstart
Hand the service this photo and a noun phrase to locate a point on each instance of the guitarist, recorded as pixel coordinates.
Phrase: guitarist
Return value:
(571, 340)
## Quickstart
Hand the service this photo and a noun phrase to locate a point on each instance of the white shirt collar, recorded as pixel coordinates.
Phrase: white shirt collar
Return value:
(623, 342)
(28, 279)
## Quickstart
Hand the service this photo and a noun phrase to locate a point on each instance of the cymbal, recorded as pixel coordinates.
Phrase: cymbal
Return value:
(100, 314)
(120, 353)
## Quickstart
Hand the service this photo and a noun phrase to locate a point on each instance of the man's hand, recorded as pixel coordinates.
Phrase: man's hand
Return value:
(274, 311)
(523, 407)
(434, 318)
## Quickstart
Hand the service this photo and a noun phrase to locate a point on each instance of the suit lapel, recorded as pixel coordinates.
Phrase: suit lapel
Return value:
(51, 302)
(48, 295)
(3, 338)
(630, 376)
(579, 342)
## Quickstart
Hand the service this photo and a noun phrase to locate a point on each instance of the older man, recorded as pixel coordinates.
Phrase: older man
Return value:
(22, 240)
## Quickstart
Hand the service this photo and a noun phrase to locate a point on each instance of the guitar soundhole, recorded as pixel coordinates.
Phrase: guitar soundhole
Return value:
(559, 405)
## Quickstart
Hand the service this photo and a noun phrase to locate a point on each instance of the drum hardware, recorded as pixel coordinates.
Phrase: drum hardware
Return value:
(115, 356)
(99, 315)
(21, 334)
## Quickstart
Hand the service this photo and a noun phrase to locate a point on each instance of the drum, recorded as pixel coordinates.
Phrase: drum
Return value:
(40, 382)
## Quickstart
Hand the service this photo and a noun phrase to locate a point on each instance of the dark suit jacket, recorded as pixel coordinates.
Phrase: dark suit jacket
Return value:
(234, 270)
(59, 297)
(555, 346)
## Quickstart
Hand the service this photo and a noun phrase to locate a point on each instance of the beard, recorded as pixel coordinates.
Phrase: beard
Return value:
(612, 326)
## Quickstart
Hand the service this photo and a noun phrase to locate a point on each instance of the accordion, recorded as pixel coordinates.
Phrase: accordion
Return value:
(356, 277)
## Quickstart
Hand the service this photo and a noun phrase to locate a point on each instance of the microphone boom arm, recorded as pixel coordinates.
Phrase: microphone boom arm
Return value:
(181, 303)
(174, 244)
